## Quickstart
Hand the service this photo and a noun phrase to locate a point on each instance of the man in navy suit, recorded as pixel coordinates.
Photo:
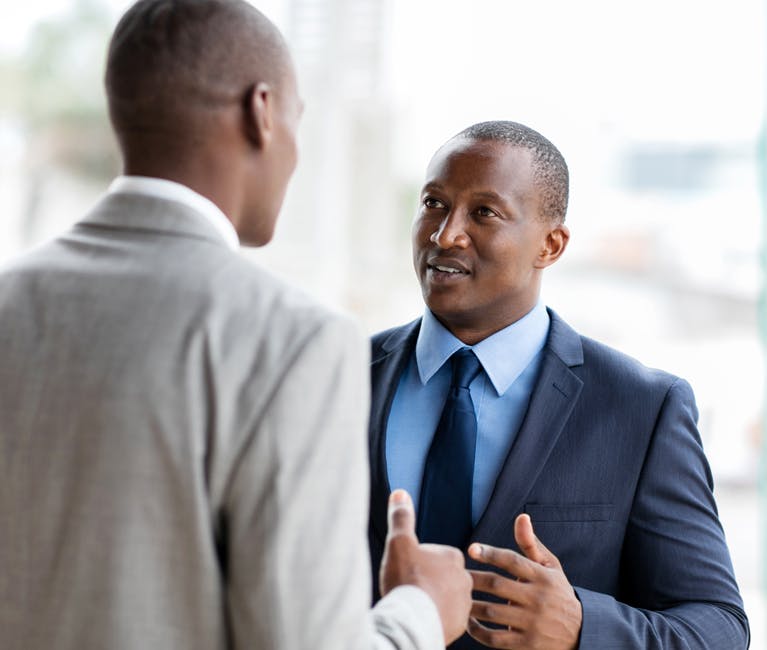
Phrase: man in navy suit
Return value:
(588, 513)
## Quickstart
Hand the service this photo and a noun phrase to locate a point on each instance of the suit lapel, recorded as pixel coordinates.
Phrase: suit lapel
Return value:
(554, 396)
(388, 362)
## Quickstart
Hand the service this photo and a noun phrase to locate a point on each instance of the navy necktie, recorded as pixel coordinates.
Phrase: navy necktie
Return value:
(444, 511)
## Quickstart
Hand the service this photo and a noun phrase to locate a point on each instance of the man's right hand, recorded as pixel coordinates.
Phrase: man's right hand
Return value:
(438, 570)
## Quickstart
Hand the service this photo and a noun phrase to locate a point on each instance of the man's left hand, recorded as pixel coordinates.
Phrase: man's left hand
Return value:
(541, 609)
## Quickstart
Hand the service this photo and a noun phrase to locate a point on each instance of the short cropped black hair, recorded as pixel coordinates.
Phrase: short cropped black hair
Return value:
(549, 167)
(169, 61)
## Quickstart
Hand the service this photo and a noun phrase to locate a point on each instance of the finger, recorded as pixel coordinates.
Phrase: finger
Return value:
(530, 545)
(508, 560)
(447, 552)
(491, 583)
(503, 639)
(401, 515)
(497, 613)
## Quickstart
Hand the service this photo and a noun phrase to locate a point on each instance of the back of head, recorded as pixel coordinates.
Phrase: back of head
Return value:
(550, 171)
(173, 64)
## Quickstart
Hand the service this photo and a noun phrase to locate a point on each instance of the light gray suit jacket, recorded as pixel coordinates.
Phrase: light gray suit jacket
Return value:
(182, 450)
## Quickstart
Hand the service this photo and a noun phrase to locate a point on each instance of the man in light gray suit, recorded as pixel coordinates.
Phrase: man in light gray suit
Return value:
(182, 437)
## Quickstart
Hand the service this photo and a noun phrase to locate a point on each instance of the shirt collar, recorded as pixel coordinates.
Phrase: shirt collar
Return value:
(503, 355)
(161, 188)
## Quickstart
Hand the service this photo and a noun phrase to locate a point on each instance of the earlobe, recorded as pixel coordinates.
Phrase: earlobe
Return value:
(257, 114)
(554, 245)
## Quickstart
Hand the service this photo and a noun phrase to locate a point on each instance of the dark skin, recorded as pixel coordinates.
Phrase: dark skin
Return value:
(479, 249)
(438, 570)
(239, 156)
(542, 611)
(479, 221)
(218, 115)
(240, 151)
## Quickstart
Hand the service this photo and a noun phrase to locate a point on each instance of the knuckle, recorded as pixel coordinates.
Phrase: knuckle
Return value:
(546, 579)
(506, 561)
(488, 610)
(398, 543)
(394, 539)
(496, 638)
(399, 516)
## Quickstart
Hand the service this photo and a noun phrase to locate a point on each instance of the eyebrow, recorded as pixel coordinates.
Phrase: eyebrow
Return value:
(493, 196)
(488, 194)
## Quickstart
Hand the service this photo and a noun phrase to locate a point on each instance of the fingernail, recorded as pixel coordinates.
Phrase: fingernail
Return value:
(475, 550)
(399, 497)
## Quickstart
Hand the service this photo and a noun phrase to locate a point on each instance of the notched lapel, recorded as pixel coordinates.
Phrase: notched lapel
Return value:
(387, 365)
(551, 404)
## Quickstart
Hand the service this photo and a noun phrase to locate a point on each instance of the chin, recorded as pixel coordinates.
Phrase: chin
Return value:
(444, 302)
(445, 313)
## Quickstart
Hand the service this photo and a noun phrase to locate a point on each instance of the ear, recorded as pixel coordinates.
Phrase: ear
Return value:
(258, 114)
(554, 245)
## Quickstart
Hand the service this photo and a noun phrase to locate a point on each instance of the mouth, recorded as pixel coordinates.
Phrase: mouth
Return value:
(446, 271)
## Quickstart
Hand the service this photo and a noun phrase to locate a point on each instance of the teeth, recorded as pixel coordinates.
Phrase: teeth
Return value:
(446, 269)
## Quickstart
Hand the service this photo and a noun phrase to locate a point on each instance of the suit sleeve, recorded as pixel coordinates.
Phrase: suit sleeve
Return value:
(678, 589)
(298, 564)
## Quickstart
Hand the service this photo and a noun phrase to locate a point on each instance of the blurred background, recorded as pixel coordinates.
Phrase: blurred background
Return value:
(658, 108)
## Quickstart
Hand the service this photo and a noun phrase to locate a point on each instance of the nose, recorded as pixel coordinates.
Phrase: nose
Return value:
(451, 232)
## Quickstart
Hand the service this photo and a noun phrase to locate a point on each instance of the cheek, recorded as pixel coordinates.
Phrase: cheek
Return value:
(293, 154)
(288, 147)
(419, 235)
(506, 262)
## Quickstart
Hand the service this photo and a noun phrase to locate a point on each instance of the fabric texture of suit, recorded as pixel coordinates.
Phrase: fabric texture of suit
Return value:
(608, 462)
(182, 454)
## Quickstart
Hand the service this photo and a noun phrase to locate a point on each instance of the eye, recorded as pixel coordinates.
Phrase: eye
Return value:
(484, 211)
(433, 204)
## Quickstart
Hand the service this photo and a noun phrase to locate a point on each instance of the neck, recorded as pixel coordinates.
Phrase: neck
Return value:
(195, 170)
(473, 330)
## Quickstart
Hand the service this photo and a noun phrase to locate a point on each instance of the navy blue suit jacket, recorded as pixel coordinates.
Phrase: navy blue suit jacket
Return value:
(608, 462)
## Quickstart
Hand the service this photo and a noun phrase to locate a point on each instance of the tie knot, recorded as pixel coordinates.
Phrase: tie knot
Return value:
(465, 367)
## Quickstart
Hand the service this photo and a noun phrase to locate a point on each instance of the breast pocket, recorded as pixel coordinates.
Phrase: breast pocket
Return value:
(586, 538)
(555, 513)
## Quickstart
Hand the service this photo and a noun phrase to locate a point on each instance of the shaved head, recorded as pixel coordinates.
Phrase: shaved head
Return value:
(173, 63)
(203, 93)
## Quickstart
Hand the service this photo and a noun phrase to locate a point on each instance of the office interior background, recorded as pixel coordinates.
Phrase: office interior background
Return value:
(658, 107)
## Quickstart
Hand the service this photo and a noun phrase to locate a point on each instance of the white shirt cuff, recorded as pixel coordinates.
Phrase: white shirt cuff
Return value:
(409, 617)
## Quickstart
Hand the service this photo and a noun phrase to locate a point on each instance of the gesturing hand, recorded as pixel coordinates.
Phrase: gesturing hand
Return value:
(541, 609)
(438, 570)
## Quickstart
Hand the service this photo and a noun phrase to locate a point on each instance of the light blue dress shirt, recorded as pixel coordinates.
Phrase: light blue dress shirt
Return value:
(510, 359)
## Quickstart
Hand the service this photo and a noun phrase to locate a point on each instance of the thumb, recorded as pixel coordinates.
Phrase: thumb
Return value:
(530, 545)
(401, 515)
(398, 564)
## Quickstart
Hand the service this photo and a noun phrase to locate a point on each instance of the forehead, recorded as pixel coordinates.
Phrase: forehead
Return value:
(482, 166)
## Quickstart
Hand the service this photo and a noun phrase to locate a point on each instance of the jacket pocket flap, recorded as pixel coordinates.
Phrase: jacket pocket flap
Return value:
(570, 512)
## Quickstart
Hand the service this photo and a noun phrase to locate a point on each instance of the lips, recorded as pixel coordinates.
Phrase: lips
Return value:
(446, 272)
(450, 266)
(446, 269)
